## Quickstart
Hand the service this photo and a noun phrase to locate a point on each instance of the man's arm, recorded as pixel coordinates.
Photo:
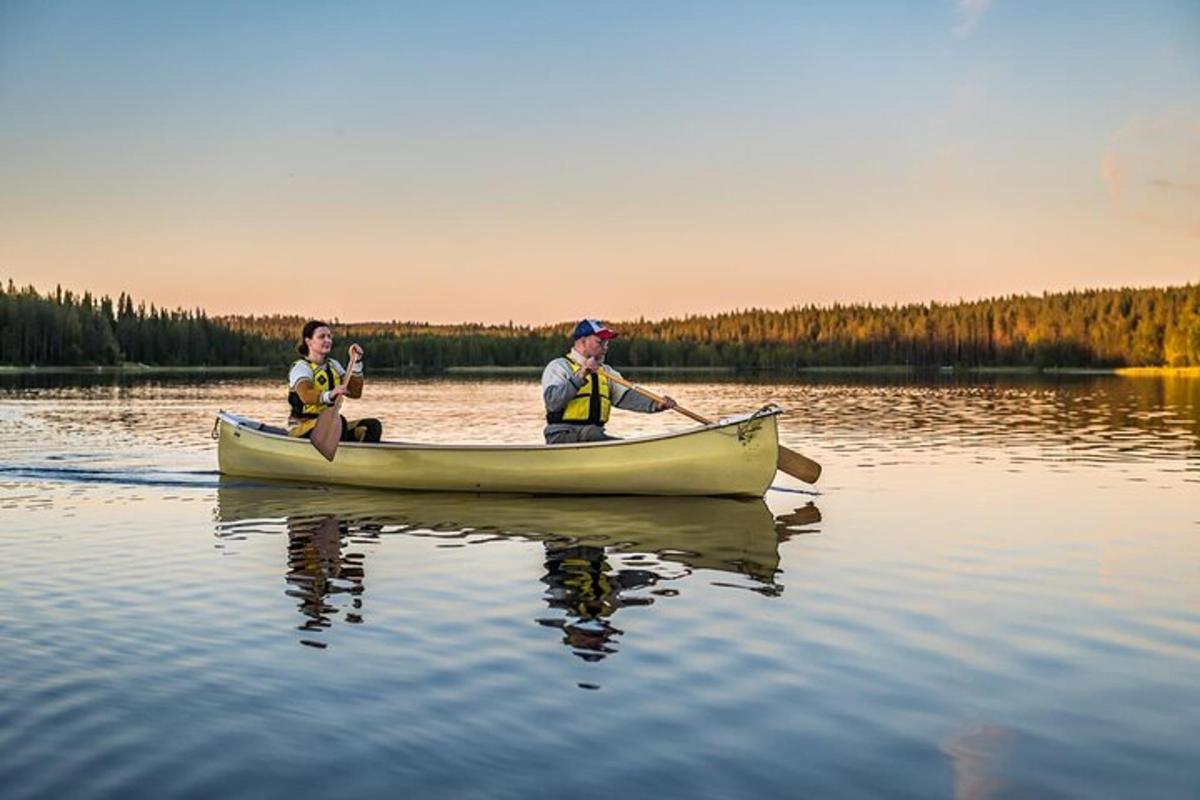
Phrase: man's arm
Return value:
(559, 384)
(629, 400)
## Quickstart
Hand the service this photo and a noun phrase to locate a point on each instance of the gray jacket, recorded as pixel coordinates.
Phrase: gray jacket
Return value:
(560, 384)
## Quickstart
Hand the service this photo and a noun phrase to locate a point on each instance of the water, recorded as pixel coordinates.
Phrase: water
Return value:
(992, 592)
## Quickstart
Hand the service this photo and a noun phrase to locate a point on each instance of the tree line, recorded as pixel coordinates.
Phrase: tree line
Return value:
(62, 328)
(1092, 328)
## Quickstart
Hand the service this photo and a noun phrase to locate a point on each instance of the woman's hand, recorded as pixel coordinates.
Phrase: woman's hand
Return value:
(356, 352)
(336, 392)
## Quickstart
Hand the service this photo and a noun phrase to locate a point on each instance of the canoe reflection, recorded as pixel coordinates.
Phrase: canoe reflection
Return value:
(601, 554)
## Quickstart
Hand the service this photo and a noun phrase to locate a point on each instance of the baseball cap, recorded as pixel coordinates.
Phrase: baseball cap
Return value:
(593, 327)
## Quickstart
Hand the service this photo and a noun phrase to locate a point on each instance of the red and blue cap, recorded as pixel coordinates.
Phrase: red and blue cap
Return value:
(593, 327)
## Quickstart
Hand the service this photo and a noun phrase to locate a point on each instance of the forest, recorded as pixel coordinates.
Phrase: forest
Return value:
(1098, 328)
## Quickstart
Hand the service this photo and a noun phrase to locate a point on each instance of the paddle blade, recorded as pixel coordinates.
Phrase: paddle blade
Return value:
(798, 466)
(327, 433)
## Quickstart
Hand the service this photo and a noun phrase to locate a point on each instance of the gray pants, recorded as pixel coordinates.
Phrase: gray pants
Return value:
(569, 434)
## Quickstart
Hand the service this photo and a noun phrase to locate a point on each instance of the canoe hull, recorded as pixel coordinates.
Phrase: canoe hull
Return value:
(737, 458)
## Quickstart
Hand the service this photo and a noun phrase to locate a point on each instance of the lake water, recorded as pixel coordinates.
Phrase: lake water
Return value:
(994, 591)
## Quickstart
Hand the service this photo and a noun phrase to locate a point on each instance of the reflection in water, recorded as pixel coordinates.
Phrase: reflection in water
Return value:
(601, 553)
(589, 583)
(1094, 420)
(978, 755)
(583, 584)
(1060, 576)
(318, 568)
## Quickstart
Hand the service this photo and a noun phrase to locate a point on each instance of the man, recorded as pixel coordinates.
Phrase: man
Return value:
(578, 394)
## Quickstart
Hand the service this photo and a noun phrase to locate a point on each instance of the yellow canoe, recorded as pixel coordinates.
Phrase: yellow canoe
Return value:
(736, 457)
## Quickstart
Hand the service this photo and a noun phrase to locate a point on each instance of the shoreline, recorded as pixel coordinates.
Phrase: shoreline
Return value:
(883, 369)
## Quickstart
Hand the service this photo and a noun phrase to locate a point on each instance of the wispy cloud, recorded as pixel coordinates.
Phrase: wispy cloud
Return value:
(969, 13)
(1152, 171)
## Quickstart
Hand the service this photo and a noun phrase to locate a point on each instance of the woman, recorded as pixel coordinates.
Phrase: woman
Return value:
(316, 381)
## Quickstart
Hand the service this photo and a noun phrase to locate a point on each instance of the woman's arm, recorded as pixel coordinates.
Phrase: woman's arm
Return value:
(307, 393)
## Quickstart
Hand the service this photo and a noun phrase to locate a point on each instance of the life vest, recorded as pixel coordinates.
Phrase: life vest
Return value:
(325, 377)
(590, 405)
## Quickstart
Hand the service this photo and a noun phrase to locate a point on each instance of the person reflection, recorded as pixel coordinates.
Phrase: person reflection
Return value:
(319, 569)
(735, 539)
(582, 583)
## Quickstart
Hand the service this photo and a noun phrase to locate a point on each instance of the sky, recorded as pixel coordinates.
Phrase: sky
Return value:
(538, 162)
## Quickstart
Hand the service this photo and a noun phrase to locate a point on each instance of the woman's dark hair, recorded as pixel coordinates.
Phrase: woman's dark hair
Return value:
(310, 328)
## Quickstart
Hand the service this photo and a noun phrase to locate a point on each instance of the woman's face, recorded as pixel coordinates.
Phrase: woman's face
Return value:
(321, 342)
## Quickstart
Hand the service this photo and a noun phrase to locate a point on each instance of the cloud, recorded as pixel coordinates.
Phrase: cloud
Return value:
(1152, 170)
(969, 13)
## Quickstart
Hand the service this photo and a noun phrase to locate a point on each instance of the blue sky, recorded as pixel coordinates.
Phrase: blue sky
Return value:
(539, 161)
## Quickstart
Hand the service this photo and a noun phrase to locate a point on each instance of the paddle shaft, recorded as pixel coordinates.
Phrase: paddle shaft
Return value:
(656, 398)
(337, 404)
(791, 462)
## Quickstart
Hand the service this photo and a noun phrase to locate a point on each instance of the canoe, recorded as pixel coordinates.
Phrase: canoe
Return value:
(734, 457)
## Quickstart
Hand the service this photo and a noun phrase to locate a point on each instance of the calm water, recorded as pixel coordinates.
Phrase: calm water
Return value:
(994, 591)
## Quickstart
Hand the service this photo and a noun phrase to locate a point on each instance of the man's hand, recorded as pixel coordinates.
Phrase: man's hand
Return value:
(667, 403)
(591, 365)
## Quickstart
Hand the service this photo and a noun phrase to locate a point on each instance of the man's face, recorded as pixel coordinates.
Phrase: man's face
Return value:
(593, 347)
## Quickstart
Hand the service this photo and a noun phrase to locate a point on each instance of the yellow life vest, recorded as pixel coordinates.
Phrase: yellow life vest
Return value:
(590, 405)
(325, 377)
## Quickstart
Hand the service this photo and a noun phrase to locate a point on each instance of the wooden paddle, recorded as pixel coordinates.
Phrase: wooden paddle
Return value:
(790, 461)
(327, 433)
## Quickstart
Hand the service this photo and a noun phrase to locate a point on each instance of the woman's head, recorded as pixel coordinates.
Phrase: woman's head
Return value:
(315, 336)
